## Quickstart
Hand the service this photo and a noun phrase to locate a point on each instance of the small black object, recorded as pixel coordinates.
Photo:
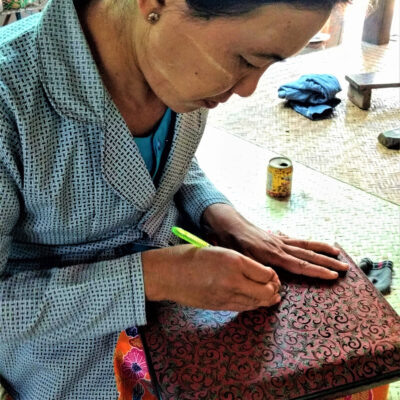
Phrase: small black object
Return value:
(390, 139)
(366, 265)
(379, 273)
(381, 276)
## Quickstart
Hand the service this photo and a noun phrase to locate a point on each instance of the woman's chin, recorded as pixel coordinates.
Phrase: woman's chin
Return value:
(192, 106)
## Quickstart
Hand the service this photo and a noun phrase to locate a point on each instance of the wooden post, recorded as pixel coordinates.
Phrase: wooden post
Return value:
(378, 22)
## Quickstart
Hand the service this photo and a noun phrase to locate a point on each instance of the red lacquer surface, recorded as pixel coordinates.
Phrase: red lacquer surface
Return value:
(321, 336)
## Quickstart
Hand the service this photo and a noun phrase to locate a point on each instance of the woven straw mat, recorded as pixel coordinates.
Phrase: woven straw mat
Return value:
(344, 146)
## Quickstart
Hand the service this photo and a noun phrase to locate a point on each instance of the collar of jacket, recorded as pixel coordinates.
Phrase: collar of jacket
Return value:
(67, 69)
(74, 87)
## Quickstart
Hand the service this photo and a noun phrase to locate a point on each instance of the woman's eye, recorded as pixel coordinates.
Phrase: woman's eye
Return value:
(246, 63)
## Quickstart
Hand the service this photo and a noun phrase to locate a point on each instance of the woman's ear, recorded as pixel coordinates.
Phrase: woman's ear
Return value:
(150, 6)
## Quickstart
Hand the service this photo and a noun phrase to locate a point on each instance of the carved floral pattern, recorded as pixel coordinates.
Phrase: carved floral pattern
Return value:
(321, 335)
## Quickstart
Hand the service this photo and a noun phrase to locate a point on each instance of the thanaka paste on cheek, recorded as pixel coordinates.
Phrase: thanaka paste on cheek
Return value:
(209, 58)
(164, 73)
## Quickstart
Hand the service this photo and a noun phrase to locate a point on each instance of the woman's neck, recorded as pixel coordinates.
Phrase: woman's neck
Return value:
(112, 43)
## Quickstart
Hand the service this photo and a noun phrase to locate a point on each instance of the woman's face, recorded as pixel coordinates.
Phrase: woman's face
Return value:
(191, 63)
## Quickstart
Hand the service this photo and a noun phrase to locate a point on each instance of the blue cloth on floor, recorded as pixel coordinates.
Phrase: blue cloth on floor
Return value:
(312, 95)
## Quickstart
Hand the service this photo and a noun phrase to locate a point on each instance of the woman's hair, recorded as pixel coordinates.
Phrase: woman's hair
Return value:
(219, 8)
(208, 9)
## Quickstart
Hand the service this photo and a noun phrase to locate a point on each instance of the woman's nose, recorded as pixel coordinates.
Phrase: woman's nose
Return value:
(246, 86)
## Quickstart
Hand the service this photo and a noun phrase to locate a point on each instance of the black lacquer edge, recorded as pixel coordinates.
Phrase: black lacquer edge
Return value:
(154, 380)
(350, 388)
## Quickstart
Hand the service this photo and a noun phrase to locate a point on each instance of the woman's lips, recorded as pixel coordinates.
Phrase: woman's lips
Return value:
(212, 103)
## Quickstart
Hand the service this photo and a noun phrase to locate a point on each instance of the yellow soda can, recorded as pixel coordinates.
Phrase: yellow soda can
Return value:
(279, 177)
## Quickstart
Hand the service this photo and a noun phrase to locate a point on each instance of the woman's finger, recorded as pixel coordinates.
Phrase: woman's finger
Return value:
(259, 291)
(256, 295)
(318, 247)
(258, 272)
(303, 267)
(317, 259)
(243, 303)
(282, 235)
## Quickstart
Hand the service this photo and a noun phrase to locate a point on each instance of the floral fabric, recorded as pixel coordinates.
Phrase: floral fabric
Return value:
(131, 368)
(378, 393)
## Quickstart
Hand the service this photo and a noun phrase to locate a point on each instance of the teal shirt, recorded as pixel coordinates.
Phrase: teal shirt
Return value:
(152, 147)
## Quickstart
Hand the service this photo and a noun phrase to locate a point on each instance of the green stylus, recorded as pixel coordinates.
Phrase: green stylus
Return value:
(189, 237)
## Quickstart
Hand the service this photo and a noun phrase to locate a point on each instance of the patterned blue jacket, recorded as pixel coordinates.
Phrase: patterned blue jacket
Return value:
(75, 194)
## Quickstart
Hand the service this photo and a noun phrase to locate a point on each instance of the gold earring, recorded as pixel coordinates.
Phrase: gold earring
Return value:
(153, 17)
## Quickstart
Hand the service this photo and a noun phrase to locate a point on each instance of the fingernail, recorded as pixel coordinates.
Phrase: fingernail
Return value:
(275, 300)
(345, 265)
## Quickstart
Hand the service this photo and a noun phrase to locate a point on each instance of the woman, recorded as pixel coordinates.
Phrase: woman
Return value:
(103, 104)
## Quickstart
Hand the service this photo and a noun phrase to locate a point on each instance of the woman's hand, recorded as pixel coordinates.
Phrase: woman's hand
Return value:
(230, 229)
(212, 278)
